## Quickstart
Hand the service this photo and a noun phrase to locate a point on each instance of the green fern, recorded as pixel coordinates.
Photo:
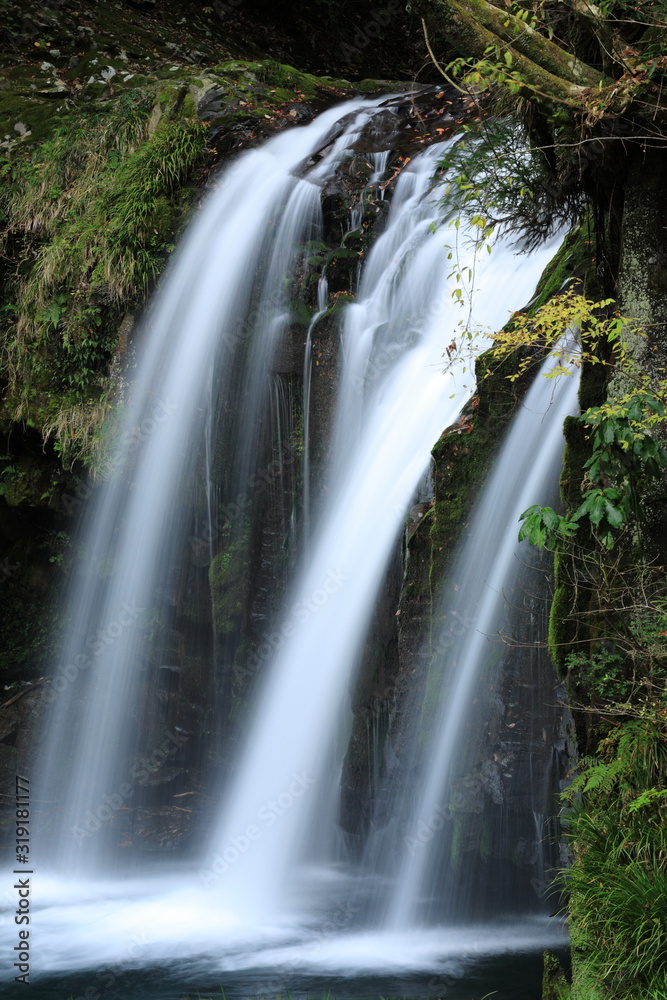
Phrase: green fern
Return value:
(617, 822)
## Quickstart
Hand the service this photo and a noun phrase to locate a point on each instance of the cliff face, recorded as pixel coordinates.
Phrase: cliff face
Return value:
(101, 177)
(112, 119)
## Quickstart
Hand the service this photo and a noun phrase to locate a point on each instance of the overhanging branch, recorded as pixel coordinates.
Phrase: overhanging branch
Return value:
(472, 26)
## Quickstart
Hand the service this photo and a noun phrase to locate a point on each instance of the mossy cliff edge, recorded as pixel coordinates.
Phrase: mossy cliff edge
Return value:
(112, 119)
(607, 624)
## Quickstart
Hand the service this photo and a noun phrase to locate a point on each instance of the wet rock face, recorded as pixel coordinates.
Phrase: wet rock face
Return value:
(22, 719)
(510, 768)
(96, 59)
(406, 124)
(275, 525)
(372, 702)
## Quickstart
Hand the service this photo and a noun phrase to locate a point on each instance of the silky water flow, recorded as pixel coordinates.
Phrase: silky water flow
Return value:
(199, 390)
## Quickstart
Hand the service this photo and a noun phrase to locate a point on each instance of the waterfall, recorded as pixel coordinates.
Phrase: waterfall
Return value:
(322, 299)
(393, 400)
(201, 391)
(473, 611)
(202, 322)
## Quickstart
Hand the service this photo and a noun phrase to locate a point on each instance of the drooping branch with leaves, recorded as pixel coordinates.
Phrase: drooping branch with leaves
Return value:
(598, 60)
(587, 80)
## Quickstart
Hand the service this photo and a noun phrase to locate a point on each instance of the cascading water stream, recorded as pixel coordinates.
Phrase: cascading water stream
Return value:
(322, 299)
(378, 165)
(393, 400)
(216, 323)
(197, 318)
(473, 610)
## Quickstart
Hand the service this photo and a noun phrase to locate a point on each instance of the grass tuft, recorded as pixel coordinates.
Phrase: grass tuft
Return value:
(94, 211)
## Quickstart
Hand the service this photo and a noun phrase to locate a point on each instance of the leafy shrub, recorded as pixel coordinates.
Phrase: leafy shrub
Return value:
(618, 880)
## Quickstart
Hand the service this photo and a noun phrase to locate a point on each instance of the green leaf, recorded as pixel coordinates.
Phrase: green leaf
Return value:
(537, 536)
(550, 518)
(613, 515)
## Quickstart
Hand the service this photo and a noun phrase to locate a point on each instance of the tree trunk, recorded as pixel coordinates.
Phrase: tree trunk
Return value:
(471, 26)
(642, 296)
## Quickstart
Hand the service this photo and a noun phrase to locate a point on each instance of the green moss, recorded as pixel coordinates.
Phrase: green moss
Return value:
(572, 596)
(98, 206)
(456, 851)
(586, 985)
(229, 580)
(464, 453)
(277, 74)
(25, 482)
(593, 384)
(36, 114)
(30, 626)
(485, 840)
(572, 262)
(559, 636)
(286, 82)
(418, 582)
(367, 86)
(554, 981)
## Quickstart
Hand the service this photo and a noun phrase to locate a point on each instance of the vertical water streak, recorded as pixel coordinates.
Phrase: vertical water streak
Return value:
(474, 600)
(322, 299)
(393, 400)
(201, 322)
(378, 164)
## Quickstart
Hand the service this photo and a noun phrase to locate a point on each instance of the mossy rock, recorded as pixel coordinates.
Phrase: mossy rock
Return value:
(585, 981)
(31, 626)
(571, 263)
(27, 115)
(554, 981)
(229, 580)
(99, 204)
(418, 581)
(463, 455)
(571, 598)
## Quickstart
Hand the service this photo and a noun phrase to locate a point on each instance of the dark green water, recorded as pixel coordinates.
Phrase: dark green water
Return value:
(510, 977)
